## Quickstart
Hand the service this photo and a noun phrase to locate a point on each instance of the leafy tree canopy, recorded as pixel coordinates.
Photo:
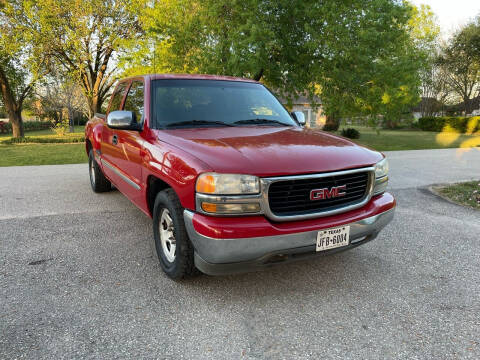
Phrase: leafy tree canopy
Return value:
(83, 37)
(360, 55)
(461, 60)
(22, 62)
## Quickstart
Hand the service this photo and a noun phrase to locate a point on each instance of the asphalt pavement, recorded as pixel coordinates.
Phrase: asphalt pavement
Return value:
(78, 280)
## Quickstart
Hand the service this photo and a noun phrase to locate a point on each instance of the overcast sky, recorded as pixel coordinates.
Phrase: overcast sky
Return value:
(452, 13)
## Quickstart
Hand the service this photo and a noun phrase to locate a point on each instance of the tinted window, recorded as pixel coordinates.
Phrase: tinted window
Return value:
(223, 102)
(117, 97)
(134, 100)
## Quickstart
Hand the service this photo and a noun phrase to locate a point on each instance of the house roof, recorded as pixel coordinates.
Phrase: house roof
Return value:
(473, 104)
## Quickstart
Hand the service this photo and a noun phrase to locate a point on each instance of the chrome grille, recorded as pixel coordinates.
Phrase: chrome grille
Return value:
(291, 197)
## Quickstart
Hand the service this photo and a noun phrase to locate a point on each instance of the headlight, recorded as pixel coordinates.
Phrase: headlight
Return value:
(228, 194)
(227, 184)
(381, 177)
(381, 168)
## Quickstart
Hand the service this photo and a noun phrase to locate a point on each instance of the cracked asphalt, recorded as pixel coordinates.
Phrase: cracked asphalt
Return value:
(78, 279)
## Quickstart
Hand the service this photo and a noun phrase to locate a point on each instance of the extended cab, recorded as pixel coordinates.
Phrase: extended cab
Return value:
(232, 181)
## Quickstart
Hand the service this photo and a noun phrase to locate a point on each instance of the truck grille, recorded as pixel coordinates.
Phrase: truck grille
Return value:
(292, 196)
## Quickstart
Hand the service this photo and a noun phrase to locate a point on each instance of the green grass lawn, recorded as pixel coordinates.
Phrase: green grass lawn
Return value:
(42, 154)
(412, 139)
(467, 193)
(78, 129)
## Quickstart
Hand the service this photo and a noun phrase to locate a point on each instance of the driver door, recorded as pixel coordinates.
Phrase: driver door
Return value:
(109, 146)
(129, 146)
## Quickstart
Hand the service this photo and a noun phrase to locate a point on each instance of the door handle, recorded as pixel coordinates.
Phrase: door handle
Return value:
(114, 139)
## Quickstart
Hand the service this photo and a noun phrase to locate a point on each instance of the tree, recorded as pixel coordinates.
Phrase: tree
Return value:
(425, 35)
(58, 95)
(83, 37)
(461, 61)
(14, 89)
(375, 70)
(22, 63)
(355, 54)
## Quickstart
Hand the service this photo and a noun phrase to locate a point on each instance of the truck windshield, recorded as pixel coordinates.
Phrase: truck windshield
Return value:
(202, 103)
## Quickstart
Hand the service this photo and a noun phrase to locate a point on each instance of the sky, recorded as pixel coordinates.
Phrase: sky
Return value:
(452, 13)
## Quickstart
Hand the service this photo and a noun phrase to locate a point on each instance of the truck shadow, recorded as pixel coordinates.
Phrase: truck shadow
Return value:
(339, 273)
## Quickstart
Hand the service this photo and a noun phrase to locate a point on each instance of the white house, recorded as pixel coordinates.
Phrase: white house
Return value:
(314, 118)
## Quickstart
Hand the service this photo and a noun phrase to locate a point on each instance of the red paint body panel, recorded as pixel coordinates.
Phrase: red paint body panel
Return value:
(178, 156)
(258, 226)
(270, 151)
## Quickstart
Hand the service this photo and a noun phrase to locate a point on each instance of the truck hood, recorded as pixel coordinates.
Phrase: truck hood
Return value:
(270, 151)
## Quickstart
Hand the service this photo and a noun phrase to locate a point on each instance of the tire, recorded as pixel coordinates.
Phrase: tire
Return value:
(98, 181)
(176, 257)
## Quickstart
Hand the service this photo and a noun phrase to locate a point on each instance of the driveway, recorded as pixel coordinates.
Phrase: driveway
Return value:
(78, 280)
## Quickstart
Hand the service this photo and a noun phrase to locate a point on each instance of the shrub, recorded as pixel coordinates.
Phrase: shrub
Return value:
(331, 127)
(442, 123)
(30, 126)
(61, 127)
(45, 139)
(36, 125)
(351, 133)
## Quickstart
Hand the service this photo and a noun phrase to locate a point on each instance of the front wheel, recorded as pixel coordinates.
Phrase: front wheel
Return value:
(174, 250)
(98, 181)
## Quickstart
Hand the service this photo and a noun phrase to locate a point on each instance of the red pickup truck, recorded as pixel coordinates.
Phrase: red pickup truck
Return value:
(232, 181)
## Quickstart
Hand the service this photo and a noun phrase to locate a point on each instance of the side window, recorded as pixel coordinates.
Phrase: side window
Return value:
(117, 97)
(134, 100)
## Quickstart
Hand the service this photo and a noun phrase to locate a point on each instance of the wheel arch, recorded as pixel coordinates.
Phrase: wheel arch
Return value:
(88, 145)
(154, 186)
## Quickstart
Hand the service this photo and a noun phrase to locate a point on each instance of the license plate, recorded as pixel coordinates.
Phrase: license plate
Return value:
(333, 238)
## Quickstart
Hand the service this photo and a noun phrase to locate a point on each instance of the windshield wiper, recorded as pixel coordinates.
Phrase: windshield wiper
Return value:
(261, 121)
(198, 122)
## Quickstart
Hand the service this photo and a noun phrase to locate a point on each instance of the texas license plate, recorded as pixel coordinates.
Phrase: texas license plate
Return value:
(333, 238)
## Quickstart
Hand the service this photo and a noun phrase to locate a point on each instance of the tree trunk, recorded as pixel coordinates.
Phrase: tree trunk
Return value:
(258, 75)
(332, 123)
(70, 120)
(14, 108)
(466, 103)
(93, 106)
(17, 124)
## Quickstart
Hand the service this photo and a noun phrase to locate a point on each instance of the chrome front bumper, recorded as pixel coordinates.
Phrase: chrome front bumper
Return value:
(223, 256)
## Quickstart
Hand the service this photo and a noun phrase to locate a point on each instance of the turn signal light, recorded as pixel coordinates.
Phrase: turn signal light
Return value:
(209, 207)
(231, 208)
(206, 184)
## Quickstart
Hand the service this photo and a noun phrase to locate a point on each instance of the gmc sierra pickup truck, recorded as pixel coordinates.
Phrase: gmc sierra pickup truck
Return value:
(231, 179)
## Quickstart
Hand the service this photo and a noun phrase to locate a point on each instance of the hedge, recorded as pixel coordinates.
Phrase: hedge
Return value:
(351, 133)
(460, 124)
(45, 139)
(30, 126)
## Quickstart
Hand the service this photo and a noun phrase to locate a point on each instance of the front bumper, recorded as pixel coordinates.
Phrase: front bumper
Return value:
(215, 254)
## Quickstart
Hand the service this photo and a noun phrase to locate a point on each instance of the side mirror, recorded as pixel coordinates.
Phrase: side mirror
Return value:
(122, 120)
(299, 116)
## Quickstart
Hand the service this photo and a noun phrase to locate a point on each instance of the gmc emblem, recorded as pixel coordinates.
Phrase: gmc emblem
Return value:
(322, 194)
